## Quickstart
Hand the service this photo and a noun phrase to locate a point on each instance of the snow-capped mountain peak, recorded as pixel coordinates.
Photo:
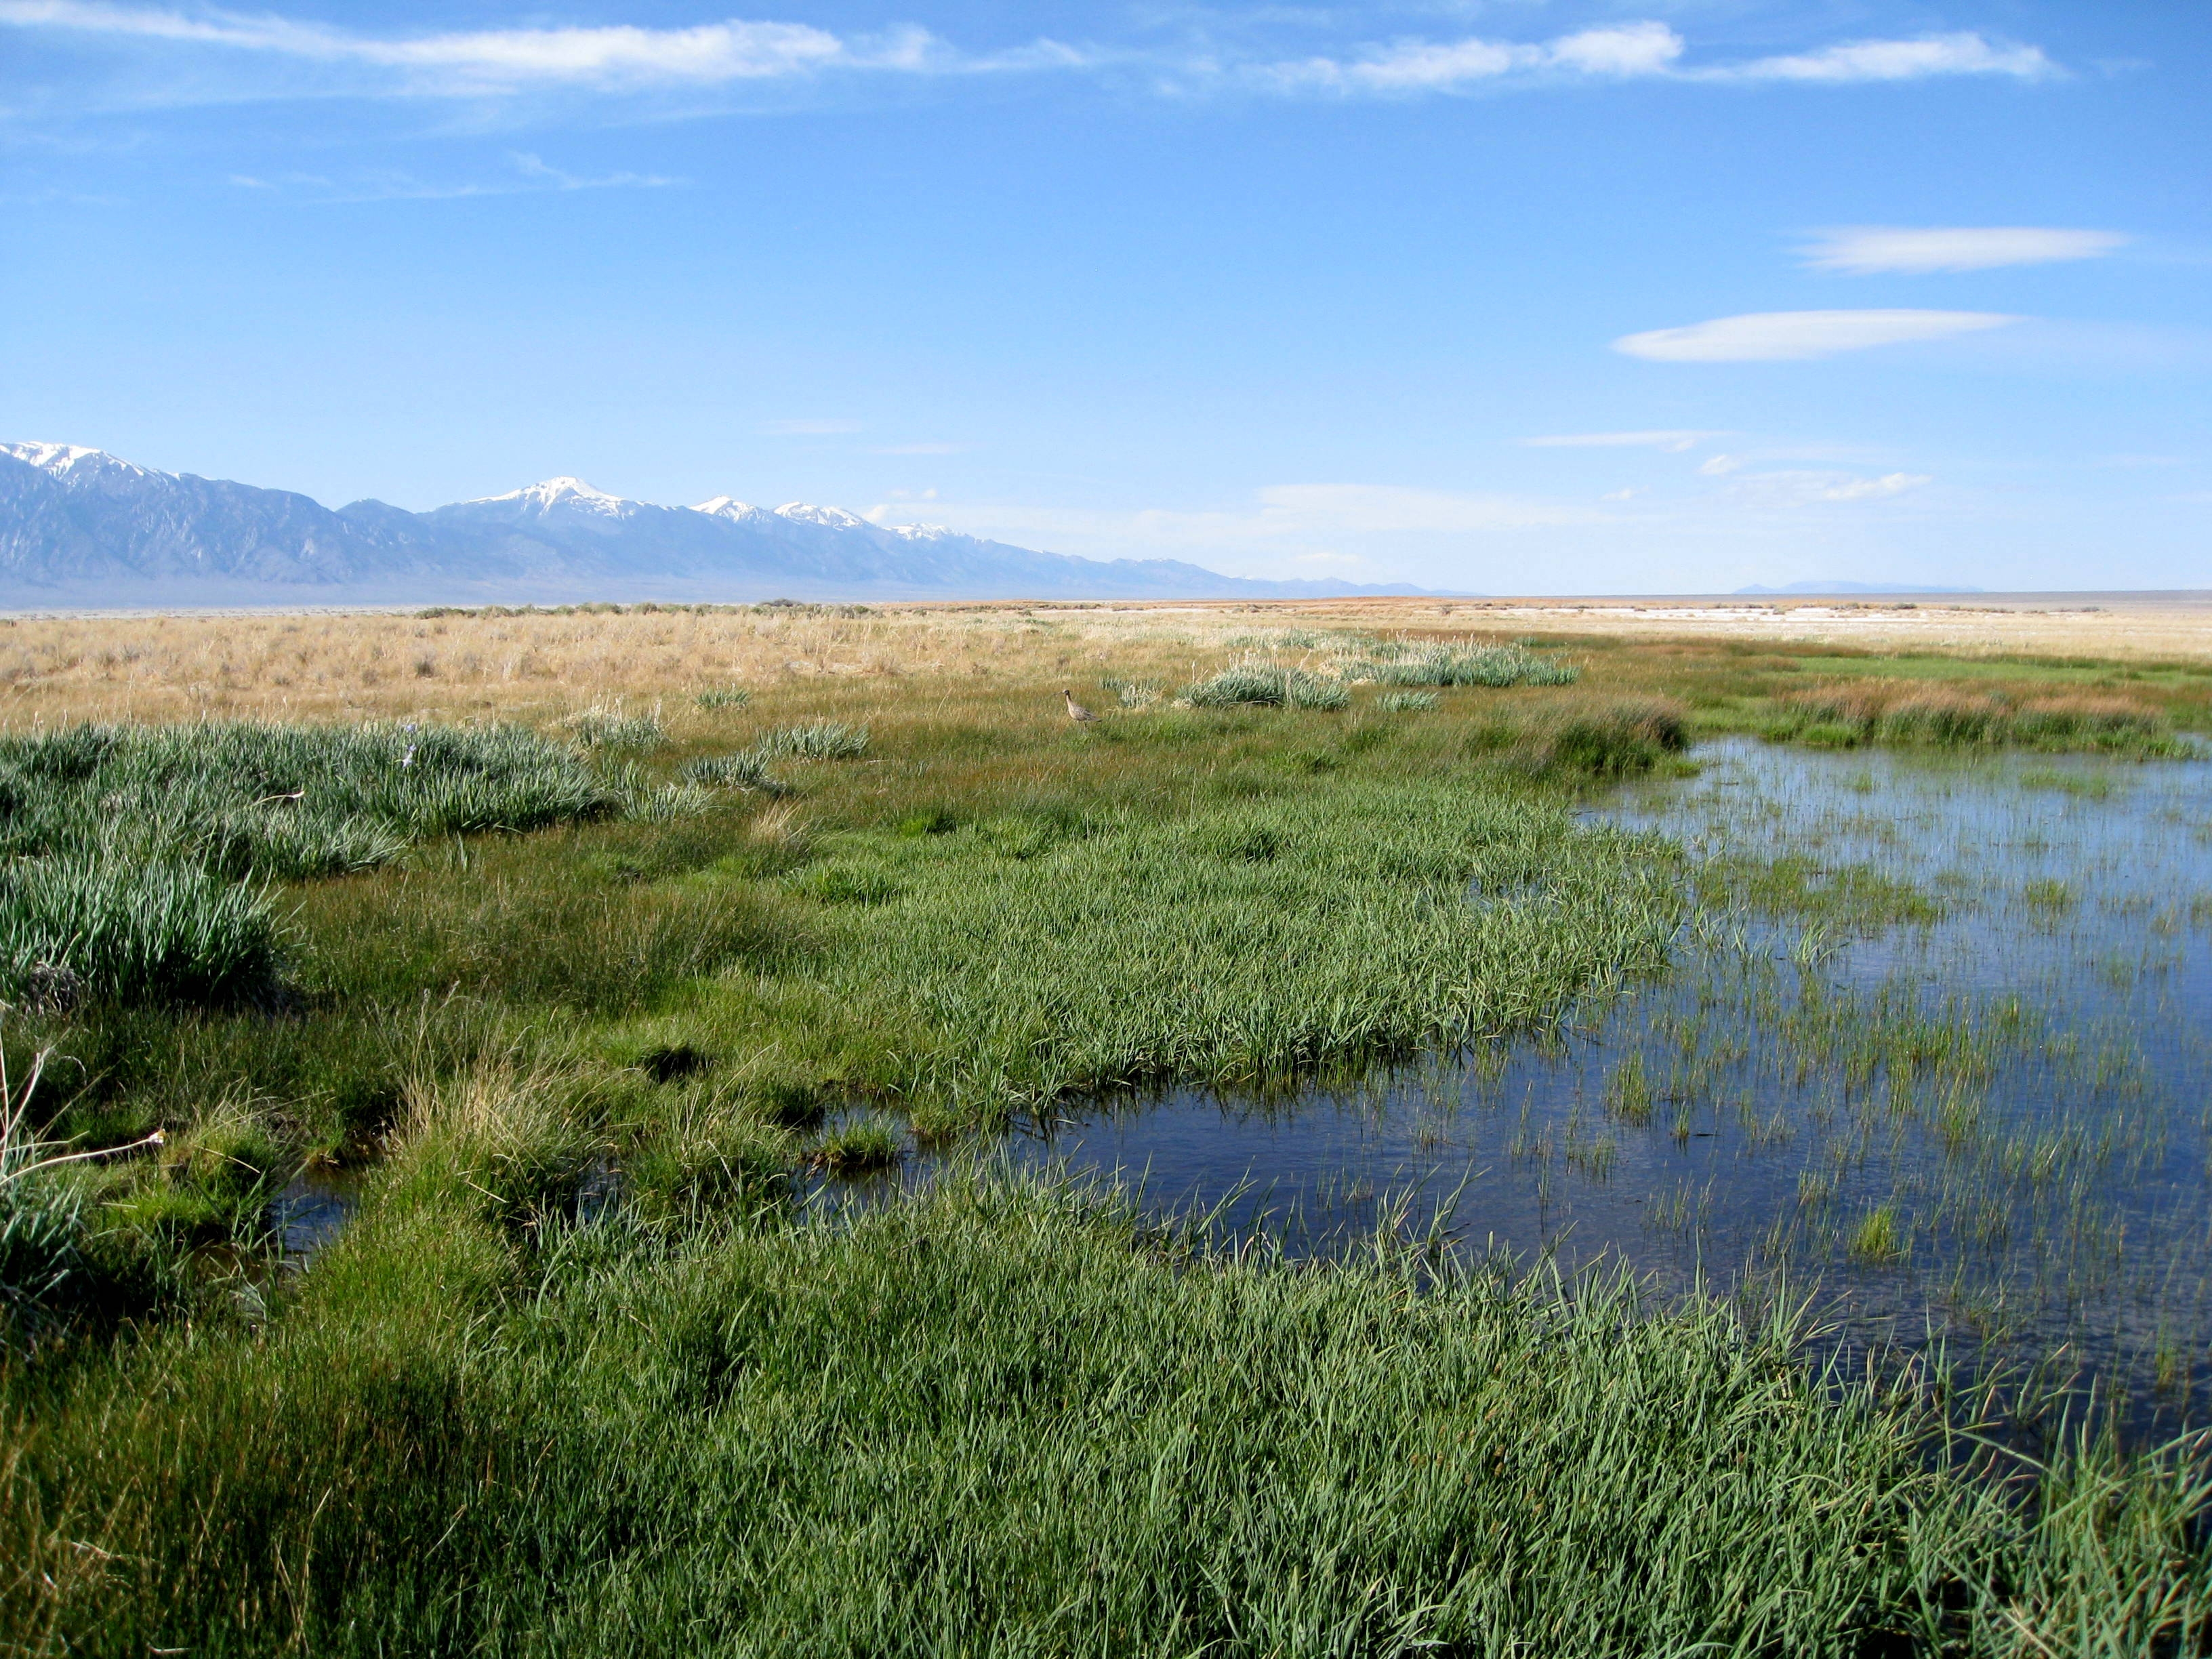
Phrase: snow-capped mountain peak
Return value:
(921, 532)
(727, 507)
(836, 518)
(62, 459)
(562, 492)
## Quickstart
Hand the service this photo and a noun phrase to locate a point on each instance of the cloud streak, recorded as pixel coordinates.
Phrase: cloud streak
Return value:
(1642, 50)
(1675, 440)
(1873, 250)
(1768, 337)
(627, 58)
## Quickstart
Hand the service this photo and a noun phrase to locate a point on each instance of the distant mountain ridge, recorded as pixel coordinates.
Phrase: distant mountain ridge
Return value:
(80, 526)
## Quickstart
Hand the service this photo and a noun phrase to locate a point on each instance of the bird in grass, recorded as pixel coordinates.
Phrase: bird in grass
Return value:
(1076, 711)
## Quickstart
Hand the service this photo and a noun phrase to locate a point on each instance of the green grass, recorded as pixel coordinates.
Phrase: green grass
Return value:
(1399, 664)
(1240, 945)
(1006, 1418)
(585, 1375)
(138, 857)
(1261, 684)
(821, 740)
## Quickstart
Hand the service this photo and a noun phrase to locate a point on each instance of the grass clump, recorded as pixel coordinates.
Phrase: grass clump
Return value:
(137, 858)
(609, 728)
(253, 799)
(859, 1147)
(822, 740)
(725, 697)
(746, 769)
(1263, 685)
(1605, 740)
(1901, 713)
(73, 926)
(1406, 703)
(1494, 665)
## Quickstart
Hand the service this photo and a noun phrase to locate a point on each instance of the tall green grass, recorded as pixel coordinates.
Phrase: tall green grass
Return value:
(73, 925)
(251, 798)
(1007, 1417)
(1495, 665)
(1259, 683)
(134, 860)
(1244, 943)
(1889, 712)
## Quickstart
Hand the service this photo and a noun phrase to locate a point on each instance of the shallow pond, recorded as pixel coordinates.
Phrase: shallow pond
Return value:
(1937, 1053)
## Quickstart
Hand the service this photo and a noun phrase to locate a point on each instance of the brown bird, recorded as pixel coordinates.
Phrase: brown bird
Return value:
(1076, 711)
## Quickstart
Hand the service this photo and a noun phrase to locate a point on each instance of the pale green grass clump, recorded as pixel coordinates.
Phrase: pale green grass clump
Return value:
(247, 797)
(73, 925)
(1406, 703)
(1261, 685)
(138, 856)
(746, 769)
(610, 728)
(822, 740)
(1495, 665)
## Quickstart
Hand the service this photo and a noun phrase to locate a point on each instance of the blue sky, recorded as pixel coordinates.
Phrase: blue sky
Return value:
(1515, 296)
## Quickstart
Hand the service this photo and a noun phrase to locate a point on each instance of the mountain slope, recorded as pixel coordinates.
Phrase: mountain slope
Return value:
(81, 526)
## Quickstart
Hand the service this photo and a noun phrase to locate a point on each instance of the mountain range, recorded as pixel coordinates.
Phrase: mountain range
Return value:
(81, 527)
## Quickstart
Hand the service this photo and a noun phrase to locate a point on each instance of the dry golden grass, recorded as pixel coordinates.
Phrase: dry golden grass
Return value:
(536, 664)
(539, 666)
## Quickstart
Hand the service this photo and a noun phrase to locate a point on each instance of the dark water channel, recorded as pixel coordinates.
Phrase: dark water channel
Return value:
(1942, 1061)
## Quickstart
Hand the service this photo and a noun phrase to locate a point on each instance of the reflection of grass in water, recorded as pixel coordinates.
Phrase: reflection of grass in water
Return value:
(1859, 897)
(2090, 786)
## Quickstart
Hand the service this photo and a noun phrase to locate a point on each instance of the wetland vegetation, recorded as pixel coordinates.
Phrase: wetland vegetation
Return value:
(713, 1043)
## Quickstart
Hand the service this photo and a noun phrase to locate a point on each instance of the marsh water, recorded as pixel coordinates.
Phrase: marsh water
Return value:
(1939, 1060)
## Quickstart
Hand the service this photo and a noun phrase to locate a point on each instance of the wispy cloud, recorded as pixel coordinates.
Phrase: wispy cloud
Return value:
(1868, 250)
(1676, 441)
(1640, 50)
(810, 429)
(1787, 335)
(1916, 59)
(1798, 489)
(532, 172)
(1416, 66)
(626, 58)
(612, 59)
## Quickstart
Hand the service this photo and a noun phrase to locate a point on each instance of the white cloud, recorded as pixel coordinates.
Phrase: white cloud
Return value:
(532, 172)
(1419, 66)
(1866, 250)
(610, 58)
(1785, 335)
(1796, 489)
(1897, 60)
(1676, 441)
(621, 58)
(1721, 465)
(809, 429)
(1638, 50)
